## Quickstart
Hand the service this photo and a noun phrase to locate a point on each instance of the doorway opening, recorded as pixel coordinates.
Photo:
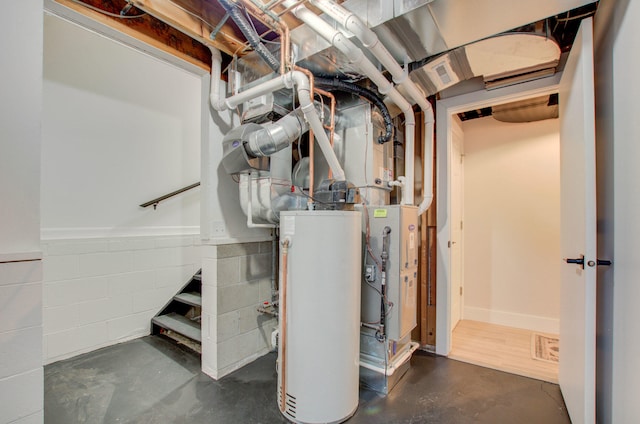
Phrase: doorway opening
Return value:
(501, 233)
(505, 240)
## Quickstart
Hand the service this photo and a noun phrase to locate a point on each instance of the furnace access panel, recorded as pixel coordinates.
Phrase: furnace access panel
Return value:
(402, 268)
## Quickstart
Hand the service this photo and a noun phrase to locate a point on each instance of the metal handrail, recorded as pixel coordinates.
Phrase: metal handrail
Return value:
(157, 200)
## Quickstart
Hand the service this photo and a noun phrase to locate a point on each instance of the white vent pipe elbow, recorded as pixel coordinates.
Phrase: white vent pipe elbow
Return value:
(352, 23)
(215, 99)
(288, 80)
(357, 58)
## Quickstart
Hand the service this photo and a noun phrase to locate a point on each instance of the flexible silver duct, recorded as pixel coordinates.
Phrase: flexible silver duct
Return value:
(278, 135)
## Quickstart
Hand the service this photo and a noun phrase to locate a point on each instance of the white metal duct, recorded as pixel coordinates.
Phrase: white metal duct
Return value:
(429, 27)
(492, 58)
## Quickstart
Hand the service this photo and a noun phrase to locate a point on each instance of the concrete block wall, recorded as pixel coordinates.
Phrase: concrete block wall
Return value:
(99, 292)
(21, 373)
(236, 279)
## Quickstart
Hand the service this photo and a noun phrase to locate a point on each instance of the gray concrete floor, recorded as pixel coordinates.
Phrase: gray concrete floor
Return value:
(150, 380)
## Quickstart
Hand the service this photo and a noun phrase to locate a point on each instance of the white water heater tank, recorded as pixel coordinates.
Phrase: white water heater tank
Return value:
(318, 353)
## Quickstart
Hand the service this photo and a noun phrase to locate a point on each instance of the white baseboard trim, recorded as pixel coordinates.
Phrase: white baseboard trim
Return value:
(235, 240)
(513, 319)
(107, 232)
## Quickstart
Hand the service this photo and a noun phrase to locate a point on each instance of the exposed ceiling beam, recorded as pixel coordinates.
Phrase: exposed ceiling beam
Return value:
(147, 29)
(182, 28)
(198, 19)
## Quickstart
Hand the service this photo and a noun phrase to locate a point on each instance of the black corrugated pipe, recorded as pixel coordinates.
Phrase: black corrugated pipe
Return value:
(250, 34)
(365, 93)
(333, 83)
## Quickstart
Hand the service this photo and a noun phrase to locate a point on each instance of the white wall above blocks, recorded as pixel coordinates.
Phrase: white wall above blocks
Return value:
(119, 128)
(21, 373)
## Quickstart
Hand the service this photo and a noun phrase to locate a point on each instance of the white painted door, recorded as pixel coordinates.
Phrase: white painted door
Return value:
(578, 228)
(456, 221)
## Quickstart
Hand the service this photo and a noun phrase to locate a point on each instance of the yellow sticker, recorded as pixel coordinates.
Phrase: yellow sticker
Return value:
(380, 213)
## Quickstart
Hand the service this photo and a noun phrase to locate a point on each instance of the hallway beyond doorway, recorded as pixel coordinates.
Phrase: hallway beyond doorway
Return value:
(501, 348)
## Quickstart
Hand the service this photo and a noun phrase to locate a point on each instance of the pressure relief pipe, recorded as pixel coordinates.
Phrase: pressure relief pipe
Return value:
(289, 80)
(359, 60)
(352, 23)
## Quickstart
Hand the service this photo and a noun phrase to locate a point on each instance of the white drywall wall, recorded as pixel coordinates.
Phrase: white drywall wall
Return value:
(119, 128)
(618, 131)
(21, 373)
(512, 223)
(20, 120)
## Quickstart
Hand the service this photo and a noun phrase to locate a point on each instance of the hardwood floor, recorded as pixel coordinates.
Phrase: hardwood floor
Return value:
(501, 348)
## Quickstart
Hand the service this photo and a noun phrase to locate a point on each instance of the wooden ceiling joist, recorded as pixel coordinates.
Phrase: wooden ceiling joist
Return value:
(182, 28)
(197, 18)
(147, 29)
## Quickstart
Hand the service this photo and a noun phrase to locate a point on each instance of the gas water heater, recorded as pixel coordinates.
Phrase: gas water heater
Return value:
(320, 274)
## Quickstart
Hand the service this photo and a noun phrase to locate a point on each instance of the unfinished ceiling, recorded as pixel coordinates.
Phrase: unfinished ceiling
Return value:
(458, 33)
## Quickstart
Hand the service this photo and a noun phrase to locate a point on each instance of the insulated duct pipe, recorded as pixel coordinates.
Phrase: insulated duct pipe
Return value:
(249, 33)
(357, 58)
(288, 80)
(352, 23)
(276, 136)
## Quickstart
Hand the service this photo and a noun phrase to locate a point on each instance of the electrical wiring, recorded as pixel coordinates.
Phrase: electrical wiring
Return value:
(368, 236)
(264, 40)
(187, 11)
(571, 18)
(306, 195)
(198, 17)
(378, 264)
(105, 12)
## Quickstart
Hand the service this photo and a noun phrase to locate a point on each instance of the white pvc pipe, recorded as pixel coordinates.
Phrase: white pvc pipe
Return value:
(288, 80)
(217, 103)
(250, 223)
(370, 40)
(357, 58)
(427, 181)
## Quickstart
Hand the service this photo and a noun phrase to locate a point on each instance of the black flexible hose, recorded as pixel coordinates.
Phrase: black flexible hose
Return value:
(254, 40)
(365, 93)
(250, 34)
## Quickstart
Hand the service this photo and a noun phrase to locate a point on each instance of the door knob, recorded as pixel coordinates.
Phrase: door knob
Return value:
(599, 262)
(577, 261)
(580, 261)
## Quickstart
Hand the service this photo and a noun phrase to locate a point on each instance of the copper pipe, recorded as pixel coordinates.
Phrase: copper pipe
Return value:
(283, 326)
(312, 179)
(278, 26)
(287, 9)
(287, 43)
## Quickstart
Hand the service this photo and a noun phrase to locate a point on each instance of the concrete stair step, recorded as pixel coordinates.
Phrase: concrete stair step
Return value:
(193, 298)
(179, 324)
